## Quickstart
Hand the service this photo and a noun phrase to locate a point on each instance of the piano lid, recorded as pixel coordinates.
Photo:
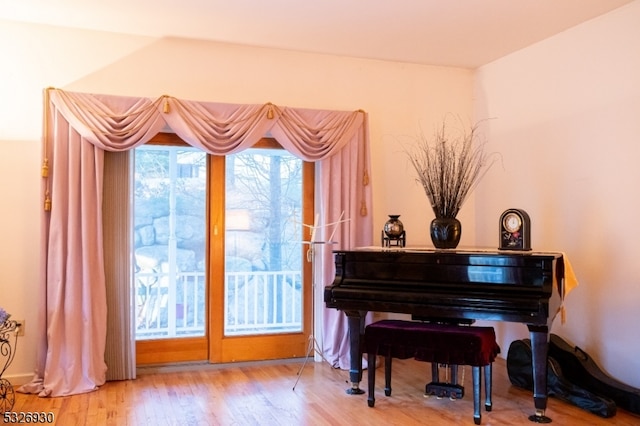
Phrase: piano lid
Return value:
(458, 250)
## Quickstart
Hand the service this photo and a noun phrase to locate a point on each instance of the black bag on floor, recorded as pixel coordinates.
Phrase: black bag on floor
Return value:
(520, 371)
(580, 369)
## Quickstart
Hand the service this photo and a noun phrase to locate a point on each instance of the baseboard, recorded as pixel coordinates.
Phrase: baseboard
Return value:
(18, 379)
(203, 365)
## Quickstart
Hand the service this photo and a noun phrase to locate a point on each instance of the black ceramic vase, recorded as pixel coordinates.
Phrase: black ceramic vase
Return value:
(445, 232)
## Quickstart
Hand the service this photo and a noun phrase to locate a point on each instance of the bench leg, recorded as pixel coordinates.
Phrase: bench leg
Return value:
(371, 377)
(475, 372)
(488, 370)
(387, 375)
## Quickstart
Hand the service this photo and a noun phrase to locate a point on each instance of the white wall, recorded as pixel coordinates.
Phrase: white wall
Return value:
(398, 97)
(567, 123)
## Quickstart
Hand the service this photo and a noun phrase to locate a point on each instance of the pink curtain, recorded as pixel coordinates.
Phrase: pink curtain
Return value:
(79, 127)
(349, 191)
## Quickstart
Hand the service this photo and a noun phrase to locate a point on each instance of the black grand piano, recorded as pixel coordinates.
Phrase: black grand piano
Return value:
(523, 287)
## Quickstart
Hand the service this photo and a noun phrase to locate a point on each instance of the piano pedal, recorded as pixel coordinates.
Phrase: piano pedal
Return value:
(443, 390)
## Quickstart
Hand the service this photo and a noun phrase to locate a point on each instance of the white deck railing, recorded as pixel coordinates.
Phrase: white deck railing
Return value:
(263, 302)
(256, 303)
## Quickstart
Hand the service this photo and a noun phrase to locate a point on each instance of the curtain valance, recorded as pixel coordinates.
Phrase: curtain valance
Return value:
(117, 123)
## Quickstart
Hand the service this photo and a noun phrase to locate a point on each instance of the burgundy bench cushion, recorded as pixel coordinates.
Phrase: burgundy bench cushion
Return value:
(441, 343)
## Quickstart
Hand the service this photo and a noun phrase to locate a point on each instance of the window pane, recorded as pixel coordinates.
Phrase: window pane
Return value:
(169, 239)
(263, 261)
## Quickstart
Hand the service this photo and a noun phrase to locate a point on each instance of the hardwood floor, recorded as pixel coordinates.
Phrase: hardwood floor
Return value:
(264, 394)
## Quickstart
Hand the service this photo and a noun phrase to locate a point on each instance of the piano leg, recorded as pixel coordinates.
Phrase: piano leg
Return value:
(539, 347)
(355, 321)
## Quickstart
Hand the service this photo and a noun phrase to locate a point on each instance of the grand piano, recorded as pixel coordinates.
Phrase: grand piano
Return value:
(516, 286)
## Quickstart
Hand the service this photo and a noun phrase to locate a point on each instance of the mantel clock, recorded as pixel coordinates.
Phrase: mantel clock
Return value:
(515, 230)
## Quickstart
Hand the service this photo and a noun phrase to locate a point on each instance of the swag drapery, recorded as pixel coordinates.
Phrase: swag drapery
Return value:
(80, 127)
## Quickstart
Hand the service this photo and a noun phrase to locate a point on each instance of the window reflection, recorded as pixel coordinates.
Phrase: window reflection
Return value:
(487, 269)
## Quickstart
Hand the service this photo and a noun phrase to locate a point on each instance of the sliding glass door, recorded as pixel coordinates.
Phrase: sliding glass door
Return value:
(219, 264)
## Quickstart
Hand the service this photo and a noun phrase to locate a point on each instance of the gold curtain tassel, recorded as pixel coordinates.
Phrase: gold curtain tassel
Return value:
(165, 109)
(270, 111)
(47, 203)
(363, 209)
(45, 168)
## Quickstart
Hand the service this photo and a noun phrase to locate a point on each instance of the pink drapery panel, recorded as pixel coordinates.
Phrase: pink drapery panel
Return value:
(346, 194)
(72, 320)
(79, 127)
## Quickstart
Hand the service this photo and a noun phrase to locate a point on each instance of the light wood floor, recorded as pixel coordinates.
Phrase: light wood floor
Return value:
(263, 394)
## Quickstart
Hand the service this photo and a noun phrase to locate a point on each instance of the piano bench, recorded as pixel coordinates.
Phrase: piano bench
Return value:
(435, 343)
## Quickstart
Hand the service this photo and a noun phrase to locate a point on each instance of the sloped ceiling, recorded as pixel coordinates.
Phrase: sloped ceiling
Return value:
(459, 33)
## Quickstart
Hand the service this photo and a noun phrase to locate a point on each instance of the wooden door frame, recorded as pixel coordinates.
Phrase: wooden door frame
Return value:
(180, 349)
(240, 348)
(214, 346)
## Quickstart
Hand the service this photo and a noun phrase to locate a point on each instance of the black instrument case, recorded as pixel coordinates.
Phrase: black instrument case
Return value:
(581, 369)
(574, 377)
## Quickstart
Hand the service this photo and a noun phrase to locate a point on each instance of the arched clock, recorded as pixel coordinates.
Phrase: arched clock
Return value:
(515, 230)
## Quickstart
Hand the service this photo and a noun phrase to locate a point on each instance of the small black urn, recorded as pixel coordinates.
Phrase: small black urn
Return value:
(393, 233)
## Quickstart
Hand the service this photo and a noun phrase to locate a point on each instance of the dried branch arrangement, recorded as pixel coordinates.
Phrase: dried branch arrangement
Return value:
(449, 166)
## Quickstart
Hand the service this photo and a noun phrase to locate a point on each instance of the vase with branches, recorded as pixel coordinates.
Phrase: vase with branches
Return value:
(449, 165)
